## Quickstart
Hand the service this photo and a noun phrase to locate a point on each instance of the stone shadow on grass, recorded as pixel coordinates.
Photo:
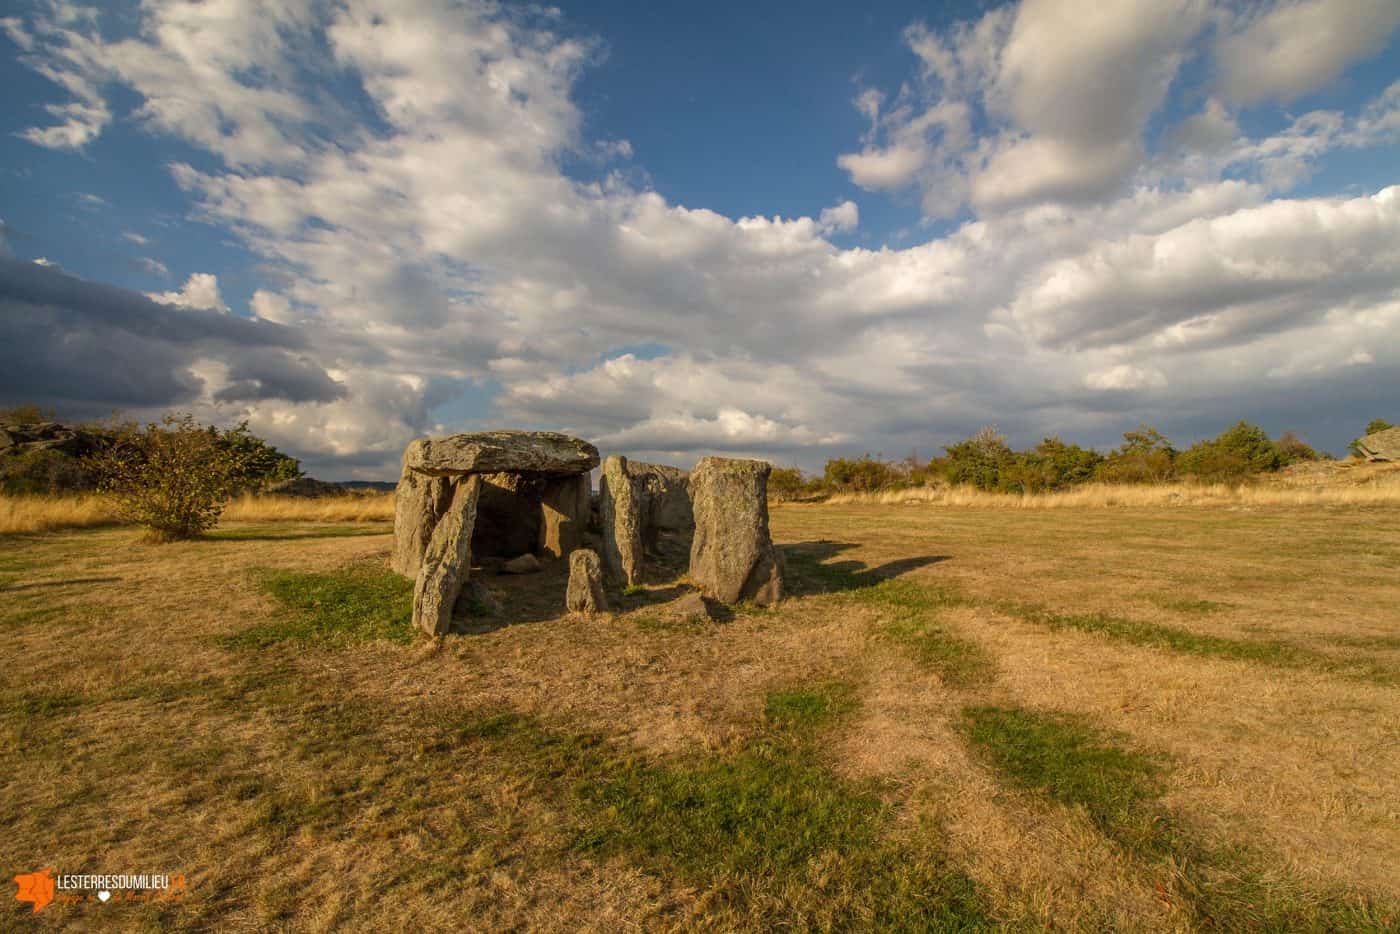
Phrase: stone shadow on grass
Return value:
(810, 569)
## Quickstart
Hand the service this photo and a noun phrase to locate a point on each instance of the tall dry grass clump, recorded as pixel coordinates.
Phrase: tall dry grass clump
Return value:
(26, 514)
(1382, 491)
(20, 515)
(249, 507)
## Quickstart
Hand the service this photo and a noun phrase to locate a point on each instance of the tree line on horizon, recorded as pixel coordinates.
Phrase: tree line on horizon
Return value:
(987, 462)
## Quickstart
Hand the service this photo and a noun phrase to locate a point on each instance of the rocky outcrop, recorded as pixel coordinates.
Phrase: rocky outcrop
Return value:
(732, 557)
(544, 453)
(1381, 446)
(585, 593)
(620, 505)
(23, 437)
(446, 563)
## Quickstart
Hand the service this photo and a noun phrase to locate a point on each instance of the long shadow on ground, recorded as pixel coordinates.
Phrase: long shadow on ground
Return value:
(810, 570)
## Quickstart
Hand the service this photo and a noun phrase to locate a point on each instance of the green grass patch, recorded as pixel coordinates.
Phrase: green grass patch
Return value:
(769, 833)
(359, 603)
(805, 709)
(1118, 789)
(1258, 651)
(1074, 764)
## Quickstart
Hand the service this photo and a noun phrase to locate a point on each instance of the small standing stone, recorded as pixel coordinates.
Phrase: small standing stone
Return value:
(585, 593)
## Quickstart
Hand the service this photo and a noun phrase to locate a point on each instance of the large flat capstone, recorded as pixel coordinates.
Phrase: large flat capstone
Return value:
(540, 453)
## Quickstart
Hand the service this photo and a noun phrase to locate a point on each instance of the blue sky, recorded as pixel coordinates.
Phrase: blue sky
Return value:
(678, 229)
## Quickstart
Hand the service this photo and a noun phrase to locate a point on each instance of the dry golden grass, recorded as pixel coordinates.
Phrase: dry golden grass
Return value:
(21, 515)
(1381, 488)
(308, 787)
(377, 507)
(28, 514)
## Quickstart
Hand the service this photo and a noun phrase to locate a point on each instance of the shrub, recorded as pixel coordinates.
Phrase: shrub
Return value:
(1051, 465)
(1293, 449)
(786, 483)
(173, 478)
(859, 475)
(1239, 452)
(1145, 456)
(979, 461)
(262, 464)
(42, 471)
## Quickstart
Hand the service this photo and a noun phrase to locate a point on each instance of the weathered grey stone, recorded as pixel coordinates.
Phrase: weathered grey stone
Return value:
(447, 560)
(665, 501)
(564, 505)
(525, 564)
(544, 453)
(1381, 446)
(732, 557)
(620, 503)
(585, 593)
(418, 503)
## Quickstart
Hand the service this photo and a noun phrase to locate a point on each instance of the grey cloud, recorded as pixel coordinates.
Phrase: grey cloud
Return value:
(70, 342)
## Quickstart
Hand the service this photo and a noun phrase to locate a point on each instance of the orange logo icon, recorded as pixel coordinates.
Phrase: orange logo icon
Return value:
(36, 887)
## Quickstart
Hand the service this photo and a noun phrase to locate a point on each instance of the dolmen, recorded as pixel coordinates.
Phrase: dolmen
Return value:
(490, 493)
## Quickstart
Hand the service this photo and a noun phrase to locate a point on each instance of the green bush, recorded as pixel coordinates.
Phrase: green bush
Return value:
(1239, 452)
(1050, 465)
(1293, 449)
(262, 464)
(859, 475)
(172, 478)
(43, 472)
(786, 483)
(979, 461)
(1145, 456)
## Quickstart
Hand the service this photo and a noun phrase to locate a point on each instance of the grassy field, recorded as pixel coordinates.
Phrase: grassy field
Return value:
(1140, 718)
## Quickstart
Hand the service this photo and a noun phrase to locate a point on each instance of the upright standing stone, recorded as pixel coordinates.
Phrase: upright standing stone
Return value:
(418, 502)
(585, 593)
(621, 507)
(732, 557)
(665, 502)
(564, 508)
(447, 561)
